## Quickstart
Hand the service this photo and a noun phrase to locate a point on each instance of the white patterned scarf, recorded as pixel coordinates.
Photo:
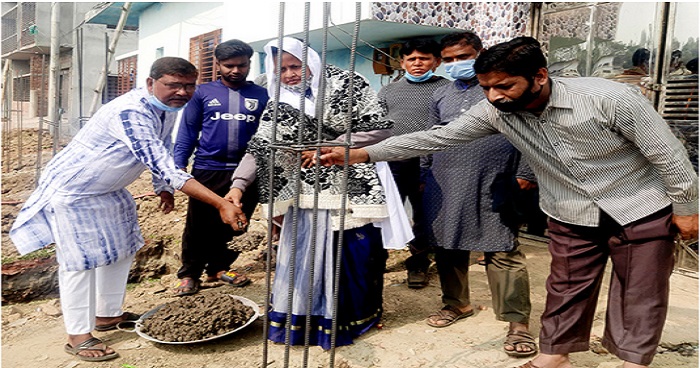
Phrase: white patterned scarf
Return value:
(290, 95)
(365, 195)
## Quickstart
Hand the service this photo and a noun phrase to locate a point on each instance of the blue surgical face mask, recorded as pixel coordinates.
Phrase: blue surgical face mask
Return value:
(462, 69)
(422, 78)
(153, 100)
(297, 88)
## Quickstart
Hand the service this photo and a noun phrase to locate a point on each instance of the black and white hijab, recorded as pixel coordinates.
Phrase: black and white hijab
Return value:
(365, 195)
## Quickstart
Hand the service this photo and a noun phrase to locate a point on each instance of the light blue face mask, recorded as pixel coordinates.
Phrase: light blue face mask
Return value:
(462, 69)
(422, 78)
(153, 100)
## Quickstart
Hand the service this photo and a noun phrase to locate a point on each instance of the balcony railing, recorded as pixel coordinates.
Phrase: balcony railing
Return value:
(9, 31)
(28, 20)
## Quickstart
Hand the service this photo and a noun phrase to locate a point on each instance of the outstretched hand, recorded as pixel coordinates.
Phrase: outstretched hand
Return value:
(233, 215)
(230, 213)
(234, 197)
(336, 156)
(308, 158)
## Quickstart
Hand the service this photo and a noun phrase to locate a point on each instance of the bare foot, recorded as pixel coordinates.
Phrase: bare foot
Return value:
(551, 361)
(633, 365)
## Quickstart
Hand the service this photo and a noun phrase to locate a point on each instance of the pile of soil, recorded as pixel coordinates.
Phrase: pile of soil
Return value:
(197, 317)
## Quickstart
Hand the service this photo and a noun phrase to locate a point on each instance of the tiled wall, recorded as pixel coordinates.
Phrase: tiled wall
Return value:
(494, 22)
(572, 21)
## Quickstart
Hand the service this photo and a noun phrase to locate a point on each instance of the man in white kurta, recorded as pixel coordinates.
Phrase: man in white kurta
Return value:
(82, 206)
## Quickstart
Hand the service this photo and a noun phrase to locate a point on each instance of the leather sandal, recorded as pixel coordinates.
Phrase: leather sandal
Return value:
(449, 314)
(523, 338)
(90, 344)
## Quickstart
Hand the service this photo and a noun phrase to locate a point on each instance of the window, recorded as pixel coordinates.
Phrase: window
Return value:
(126, 74)
(109, 93)
(21, 89)
(599, 39)
(202, 55)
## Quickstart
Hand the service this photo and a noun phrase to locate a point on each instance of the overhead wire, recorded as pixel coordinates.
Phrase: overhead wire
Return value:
(364, 42)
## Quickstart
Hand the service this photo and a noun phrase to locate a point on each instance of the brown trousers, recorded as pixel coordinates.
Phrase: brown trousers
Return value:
(642, 261)
(507, 276)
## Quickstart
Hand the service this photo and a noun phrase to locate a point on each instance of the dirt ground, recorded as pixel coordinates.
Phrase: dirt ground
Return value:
(33, 335)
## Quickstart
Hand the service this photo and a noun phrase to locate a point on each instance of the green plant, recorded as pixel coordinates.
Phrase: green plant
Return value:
(41, 253)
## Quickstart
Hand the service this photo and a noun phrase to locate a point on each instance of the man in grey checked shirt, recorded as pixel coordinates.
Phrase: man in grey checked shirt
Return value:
(614, 180)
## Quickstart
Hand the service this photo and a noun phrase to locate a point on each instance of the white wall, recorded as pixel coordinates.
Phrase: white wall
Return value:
(94, 54)
(171, 25)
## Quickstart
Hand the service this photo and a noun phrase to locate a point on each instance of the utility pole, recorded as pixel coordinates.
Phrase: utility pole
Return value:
(110, 56)
(54, 64)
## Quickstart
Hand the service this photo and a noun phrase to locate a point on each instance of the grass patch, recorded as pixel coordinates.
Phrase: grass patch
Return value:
(39, 254)
(150, 281)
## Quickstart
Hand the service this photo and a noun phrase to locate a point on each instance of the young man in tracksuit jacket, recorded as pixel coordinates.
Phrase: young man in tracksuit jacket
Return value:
(216, 125)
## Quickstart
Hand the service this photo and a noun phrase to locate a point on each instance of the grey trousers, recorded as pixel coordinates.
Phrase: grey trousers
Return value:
(507, 276)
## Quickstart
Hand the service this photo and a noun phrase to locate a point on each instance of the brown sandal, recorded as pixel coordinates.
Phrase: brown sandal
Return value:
(449, 314)
(90, 344)
(524, 338)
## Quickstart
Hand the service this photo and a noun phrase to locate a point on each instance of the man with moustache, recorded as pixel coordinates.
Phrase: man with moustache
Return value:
(614, 180)
(407, 103)
(81, 203)
(216, 125)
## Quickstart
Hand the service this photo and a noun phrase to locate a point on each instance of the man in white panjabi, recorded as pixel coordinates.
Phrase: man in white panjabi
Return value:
(82, 206)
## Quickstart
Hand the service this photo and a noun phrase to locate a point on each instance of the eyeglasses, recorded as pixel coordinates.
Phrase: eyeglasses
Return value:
(189, 88)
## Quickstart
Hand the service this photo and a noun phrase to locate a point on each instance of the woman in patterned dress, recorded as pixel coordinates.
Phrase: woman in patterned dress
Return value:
(363, 256)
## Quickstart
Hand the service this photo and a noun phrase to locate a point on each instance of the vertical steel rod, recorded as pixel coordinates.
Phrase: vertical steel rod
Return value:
(19, 124)
(41, 125)
(297, 188)
(271, 186)
(343, 205)
(320, 102)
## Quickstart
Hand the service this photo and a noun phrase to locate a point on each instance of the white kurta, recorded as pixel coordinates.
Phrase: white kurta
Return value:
(81, 204)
